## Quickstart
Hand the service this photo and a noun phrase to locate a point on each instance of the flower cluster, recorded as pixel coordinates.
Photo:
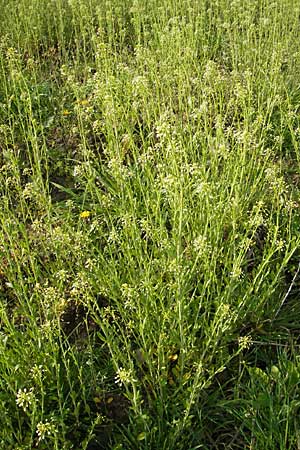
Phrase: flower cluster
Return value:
(45, 429)
(244, 342)
(25, 398)
(124, 376)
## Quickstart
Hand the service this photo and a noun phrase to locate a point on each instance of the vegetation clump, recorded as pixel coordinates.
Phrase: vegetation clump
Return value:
(149, 224)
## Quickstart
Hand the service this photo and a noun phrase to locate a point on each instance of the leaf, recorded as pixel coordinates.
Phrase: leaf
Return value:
(259, 375)
(141, 436)
(262, 400)
(76, 196)
(108, 182)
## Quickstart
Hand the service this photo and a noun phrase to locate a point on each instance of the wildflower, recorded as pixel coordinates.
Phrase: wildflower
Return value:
(61, 275)
(85, 214)
(81, 285)
(37, 371)
(84, 102)
(47, 328)
(113, 236)
(236, 272)
(224, 310)
(25, 398)
(127, 291)
(200, 244)
(45, 429)
(245, 342)
(124, 376)
(66, 112)
(280, 244)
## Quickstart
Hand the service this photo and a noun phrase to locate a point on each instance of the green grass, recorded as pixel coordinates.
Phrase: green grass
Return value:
(149, 224)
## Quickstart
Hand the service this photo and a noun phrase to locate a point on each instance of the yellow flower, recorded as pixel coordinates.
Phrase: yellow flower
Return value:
(66, 112)
(85, 214)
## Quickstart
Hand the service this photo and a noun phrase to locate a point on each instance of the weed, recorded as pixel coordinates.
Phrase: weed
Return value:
(149, 224)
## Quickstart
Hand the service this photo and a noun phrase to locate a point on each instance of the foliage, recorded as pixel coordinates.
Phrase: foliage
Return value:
(149, 224)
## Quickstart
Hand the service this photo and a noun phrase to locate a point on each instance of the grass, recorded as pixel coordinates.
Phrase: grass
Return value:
(149, 225)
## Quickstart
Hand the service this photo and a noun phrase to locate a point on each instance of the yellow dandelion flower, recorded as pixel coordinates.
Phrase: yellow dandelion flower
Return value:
(85, 214)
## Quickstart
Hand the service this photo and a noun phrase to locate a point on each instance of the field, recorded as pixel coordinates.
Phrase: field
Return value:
(149, 224)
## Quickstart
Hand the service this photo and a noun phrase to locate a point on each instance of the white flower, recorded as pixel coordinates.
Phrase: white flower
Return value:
(124, 376)
(45, 429)
(25, 398)
(244, 342)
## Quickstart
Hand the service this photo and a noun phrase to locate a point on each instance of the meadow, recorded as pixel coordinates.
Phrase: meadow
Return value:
(149, 224)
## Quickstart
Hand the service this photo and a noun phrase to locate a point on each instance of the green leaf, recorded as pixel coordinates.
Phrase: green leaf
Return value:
(141, 436)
